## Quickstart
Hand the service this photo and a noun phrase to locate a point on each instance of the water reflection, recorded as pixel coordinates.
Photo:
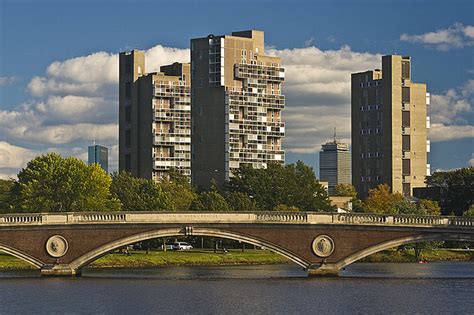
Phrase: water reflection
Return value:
(362, 288)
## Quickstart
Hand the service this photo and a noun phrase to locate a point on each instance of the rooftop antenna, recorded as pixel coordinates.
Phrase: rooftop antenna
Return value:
(335, 134)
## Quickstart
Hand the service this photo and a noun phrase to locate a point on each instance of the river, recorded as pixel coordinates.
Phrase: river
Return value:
(435, 288)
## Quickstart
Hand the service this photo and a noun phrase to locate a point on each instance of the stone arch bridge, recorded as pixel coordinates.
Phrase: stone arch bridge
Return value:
(61, 244)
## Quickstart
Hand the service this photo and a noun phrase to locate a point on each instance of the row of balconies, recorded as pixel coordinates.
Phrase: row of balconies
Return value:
(160, 140)
(161, 165)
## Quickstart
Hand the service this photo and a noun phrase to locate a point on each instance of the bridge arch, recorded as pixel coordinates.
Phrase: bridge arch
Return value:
(103, 250)
(398, 242)
(22, 255)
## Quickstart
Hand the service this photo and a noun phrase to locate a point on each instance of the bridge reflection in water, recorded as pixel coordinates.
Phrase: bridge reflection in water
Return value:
(60, 244)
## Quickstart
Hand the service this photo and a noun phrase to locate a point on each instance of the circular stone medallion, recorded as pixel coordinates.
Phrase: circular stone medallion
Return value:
(323, 246)
(56, 246)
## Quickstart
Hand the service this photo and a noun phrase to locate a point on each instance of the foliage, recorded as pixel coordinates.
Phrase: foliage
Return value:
(359, 206)
(239, 201)
(292, 185)
(381, 200)
(50, 183)
(138, 194)
(179, 190)
(457, 189)
(429, 207)
(470, 212)
(345, 190)
(404, 206)
(209, 201)
(6, 194)
(285, 208)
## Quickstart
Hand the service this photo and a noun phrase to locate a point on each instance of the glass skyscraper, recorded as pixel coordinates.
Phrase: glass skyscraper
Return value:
(100, 155)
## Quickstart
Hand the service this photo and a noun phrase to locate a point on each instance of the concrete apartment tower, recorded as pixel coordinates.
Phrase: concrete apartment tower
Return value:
(335, 164)
(100, 155)
(389, 128)
(154, 118)
(237, 104)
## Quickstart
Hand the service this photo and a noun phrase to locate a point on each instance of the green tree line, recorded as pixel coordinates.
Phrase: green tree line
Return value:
(51, 183)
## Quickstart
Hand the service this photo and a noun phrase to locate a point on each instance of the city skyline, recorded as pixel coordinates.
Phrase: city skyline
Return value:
(64, 96)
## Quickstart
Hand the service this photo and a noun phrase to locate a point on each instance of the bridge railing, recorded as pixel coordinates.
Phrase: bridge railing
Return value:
(31, 218)
(233, 218)
(293, 217)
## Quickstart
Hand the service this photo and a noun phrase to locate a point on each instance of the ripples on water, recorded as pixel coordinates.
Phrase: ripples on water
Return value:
(362, 288)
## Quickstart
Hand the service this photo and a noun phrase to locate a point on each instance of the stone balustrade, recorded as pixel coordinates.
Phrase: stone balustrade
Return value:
(233, 218)
(293, 217)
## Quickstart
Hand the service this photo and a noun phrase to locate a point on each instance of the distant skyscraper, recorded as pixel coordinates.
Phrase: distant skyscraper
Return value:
(236, 106)
(154, 118)
(335, 164)
(100, 155)
(389, 128)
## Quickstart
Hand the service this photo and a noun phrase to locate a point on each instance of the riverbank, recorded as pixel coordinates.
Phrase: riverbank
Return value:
(235, 257)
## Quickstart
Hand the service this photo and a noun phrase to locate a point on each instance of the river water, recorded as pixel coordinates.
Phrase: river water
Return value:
(435, 288)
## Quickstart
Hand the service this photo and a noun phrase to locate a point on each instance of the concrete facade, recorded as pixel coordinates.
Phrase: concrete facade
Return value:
(335, 164)
(237, 104)
(61, 244)
(154, 118)
(389, 128)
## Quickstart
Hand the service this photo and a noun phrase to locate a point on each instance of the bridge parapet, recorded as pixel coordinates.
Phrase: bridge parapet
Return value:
(292, 217)
(233, 218)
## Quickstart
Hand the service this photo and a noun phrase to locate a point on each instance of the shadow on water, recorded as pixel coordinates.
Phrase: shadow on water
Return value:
(441, 270)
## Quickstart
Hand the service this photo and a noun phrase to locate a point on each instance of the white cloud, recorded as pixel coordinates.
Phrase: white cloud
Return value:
(4, 81)
(456, 36)
(317, 90)
(100, 67)
(440, 132)
(471, 161)
(452, 113)
(12, 156)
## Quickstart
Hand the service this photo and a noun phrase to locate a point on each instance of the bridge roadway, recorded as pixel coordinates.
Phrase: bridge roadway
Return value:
(61, 244)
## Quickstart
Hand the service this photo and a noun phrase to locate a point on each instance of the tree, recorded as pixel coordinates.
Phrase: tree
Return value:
(6, 194)
(285, 208)
(345, 190)
(138, 194)
(239, 201)
(381, 200)
(179, 191)
(470, 212)
(50, 183)
(429, 207)
(292, 185)
(209, 201)
(457, 189)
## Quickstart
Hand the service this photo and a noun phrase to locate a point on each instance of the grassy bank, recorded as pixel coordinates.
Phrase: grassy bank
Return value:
(235, 257)
(406, 256)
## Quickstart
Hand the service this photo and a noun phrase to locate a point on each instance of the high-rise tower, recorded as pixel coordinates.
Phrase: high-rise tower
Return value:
(335, 164)
(154, 118)
(389, 128)
(100, 155)
(237, 104)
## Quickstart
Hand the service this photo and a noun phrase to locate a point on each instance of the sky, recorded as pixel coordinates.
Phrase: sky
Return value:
(59, 66)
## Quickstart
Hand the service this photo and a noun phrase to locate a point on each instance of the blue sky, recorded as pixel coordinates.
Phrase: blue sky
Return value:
(42, 44)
